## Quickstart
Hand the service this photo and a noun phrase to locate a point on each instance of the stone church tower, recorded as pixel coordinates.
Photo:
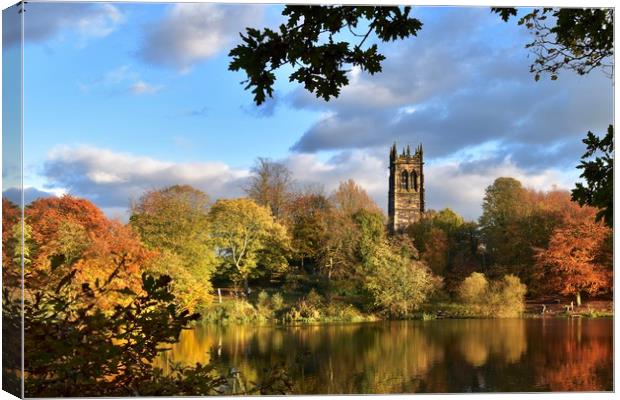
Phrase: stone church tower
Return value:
(406, 188)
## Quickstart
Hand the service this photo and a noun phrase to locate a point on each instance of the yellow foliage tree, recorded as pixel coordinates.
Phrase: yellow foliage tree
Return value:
(247, 236)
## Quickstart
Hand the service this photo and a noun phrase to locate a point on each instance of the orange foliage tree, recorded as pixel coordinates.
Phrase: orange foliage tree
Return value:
(577, 259)
(10, 267)
(71, 236)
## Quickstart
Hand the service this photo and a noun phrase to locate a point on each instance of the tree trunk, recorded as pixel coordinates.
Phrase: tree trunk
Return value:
(578, 299)
(246, 287)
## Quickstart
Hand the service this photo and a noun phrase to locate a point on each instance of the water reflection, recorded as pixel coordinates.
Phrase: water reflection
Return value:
(416, 356)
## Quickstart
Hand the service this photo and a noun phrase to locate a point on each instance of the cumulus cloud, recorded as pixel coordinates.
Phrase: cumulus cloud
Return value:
(123, 79)
(454, 88)
(190, 33)
(112, 179)
(46, 20)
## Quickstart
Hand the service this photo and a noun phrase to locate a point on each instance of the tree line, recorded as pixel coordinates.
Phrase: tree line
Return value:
(338, 240)
(124, 289)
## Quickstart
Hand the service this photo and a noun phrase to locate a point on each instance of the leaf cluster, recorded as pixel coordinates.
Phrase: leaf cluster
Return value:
(74, 348)
(309, 42)
(598, 174)
(579, 39)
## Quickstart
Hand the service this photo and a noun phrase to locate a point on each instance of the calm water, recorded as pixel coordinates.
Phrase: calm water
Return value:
(417, 356)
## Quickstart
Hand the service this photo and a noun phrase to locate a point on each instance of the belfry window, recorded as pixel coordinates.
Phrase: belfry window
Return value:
(404, 180)
(414, 180)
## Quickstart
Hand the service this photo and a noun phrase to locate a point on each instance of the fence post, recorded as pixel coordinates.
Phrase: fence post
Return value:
(219, 294)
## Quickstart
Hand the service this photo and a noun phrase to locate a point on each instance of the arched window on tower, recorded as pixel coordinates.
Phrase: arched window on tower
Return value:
(414, 180)
(404, 180)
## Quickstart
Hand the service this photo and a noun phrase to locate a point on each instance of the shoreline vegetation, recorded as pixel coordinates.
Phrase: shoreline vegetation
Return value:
(263, 310)
(288, 255)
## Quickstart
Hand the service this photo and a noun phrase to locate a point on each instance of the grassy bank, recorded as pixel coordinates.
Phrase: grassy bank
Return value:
(276, 308)
(312, 308)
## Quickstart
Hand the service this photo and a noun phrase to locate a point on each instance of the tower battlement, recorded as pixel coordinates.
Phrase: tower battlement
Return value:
(406, 187)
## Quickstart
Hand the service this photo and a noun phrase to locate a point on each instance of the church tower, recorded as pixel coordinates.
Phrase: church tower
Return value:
(406, 188)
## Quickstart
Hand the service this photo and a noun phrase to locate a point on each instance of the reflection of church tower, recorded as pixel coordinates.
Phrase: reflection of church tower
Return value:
(406, 188)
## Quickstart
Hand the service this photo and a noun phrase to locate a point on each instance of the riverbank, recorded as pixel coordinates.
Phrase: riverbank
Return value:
(314, 309)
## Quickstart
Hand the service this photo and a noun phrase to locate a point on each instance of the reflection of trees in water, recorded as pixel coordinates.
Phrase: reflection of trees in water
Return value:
(414, 356)
(579, 359)
(504, 338)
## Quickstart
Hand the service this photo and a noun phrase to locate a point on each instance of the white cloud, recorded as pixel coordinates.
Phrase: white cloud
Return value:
(141, 87)
(454, 185)
(454, 88)
(47, 20)
(192, 32)
(100, 24)
(112, 179)
(124, 77)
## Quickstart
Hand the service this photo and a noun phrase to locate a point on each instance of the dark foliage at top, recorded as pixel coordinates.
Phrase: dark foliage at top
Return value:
(599, 176)
(308, 42)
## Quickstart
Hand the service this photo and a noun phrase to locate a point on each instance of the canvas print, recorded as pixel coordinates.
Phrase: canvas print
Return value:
(244, 199)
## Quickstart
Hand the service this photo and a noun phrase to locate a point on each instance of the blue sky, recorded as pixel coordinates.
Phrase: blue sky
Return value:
(121, 98)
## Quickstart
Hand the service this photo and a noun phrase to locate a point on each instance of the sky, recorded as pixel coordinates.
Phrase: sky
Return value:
(121, 98)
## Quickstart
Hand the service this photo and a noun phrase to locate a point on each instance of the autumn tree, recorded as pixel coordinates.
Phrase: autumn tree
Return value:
(447, 244)
(308, 218)
(71, 235)
(174, 221)
(338, 258)
(581, 40)
(397, 285)
(270, 185)
(578, 257)
(350, 198)
(11, 215)
(74, 349)
(437, 251)
(244, 233)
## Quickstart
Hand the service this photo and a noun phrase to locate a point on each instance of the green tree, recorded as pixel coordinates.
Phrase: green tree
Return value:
(243, 232)
(174, 220)
(372, 231)
(504, 207)
(598, 174)
(309, 42)
(397, 285)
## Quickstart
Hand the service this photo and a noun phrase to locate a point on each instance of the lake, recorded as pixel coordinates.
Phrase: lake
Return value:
(440, 356)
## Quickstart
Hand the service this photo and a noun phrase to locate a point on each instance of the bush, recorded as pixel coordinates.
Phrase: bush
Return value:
(503, 298)
(474, 288)
(263, 303)
(511, 300)
(277, 302)
(236, 311)
(74, 348)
